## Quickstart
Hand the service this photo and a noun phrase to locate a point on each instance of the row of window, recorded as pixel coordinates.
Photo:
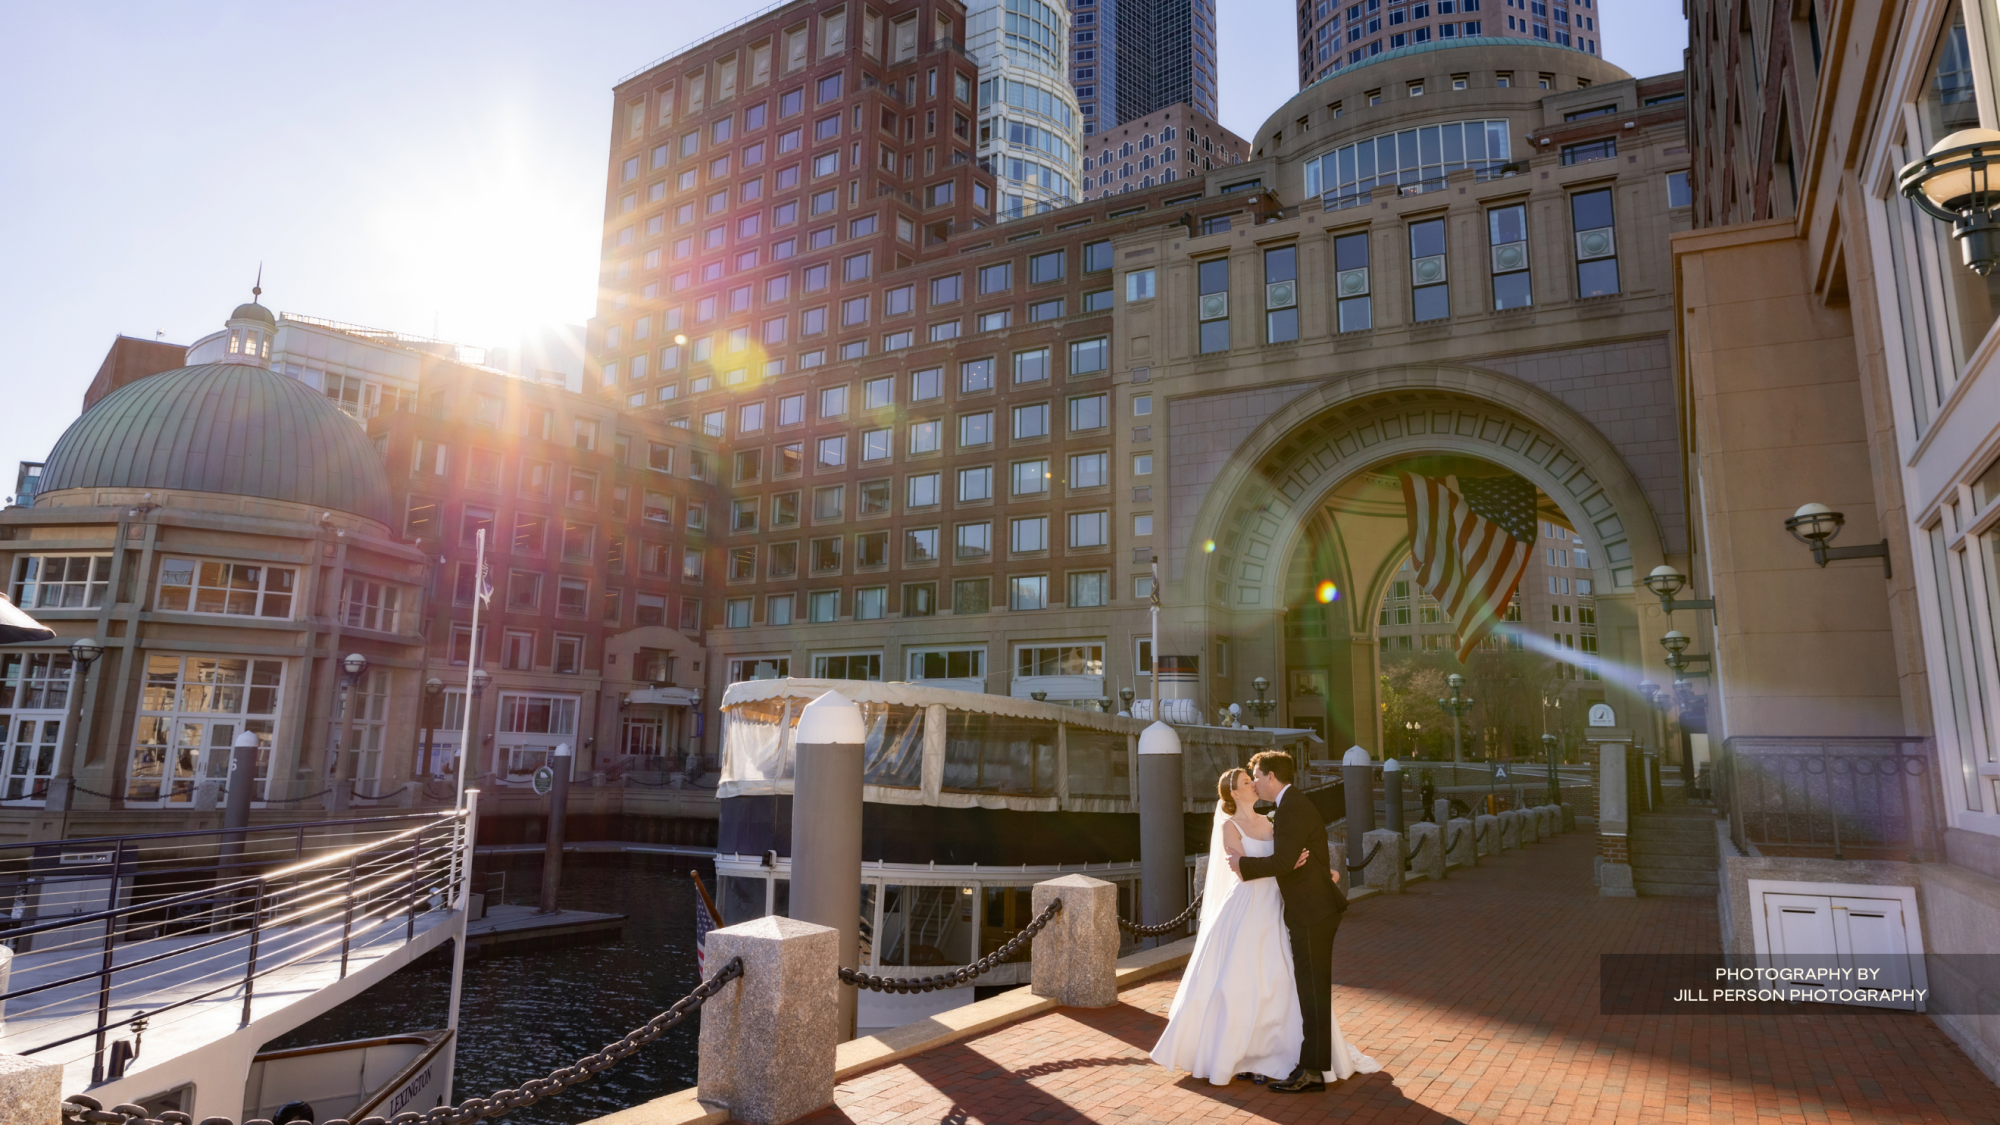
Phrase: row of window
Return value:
(1080, 590)
(921, 546)
(974, 485)
(950, 289)
(190, 585)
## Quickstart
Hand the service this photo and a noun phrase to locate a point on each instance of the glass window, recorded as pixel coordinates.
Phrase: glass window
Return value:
(1596, 243)
(1031, 366)
(1430, 297)
(191, 708)
(237, 589)
(62, 581)
(1351, 286)
(1139, 285)
(1281, 295)
(1212, 304)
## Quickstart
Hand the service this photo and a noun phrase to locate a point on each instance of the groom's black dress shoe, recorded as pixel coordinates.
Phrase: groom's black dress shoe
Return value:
(1302, 1081)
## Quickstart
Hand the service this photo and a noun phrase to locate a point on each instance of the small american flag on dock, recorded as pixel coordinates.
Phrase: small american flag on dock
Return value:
(704, 921)
(1470, 543)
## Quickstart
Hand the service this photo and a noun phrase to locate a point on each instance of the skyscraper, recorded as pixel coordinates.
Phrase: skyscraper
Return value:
(1333, 34)
(1130, 58)
(1030, 129)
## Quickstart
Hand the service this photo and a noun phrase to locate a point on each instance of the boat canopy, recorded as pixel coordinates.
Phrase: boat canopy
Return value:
(959, 749)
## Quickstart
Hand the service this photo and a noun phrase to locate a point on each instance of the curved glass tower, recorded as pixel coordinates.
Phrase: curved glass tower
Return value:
(1029, 124)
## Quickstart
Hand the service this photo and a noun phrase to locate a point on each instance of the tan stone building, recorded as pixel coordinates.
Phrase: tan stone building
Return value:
(1837, 350)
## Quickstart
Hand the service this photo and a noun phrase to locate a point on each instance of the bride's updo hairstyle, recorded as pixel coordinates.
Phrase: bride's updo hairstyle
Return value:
(1225, 788)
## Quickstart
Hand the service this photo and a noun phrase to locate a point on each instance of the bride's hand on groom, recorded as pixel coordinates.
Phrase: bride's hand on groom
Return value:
(1304, 853)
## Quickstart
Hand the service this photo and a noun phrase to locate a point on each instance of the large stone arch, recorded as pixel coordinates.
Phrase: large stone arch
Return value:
(1276, 493)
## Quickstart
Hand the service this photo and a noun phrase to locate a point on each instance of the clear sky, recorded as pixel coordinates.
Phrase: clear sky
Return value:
(430, 167)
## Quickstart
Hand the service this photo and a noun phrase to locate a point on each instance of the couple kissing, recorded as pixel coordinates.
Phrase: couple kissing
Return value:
(1256, 997)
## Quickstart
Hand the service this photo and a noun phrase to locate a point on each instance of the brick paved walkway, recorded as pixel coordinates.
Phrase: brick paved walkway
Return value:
(1479, 998)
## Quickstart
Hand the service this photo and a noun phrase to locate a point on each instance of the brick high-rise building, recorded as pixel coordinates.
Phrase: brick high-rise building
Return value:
(1177, 143)
(1131, 58)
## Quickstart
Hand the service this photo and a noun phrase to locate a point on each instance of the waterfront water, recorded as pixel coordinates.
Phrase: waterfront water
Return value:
(524, 1014)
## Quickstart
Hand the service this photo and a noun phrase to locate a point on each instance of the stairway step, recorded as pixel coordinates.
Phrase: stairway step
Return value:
(1674, 827)
(1673, 890)
(1674, 863)
(1673, 847)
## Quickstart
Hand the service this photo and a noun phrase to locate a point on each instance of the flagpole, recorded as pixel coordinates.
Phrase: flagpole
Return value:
(1153, 687)
(467, 753)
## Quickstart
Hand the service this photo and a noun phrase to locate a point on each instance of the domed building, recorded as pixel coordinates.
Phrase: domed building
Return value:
(223, 530)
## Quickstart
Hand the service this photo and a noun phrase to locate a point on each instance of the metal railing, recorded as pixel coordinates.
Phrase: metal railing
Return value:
(158, 923)
(1833, 793)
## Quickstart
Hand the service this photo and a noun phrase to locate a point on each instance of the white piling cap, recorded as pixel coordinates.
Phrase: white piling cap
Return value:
(1356, 756)
(247, 739)
(1392, 766)
(831, 720)
(562, 750)
(1159, 739)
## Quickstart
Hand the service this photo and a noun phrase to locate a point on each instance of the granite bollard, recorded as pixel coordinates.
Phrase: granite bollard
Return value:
(1336, 858)
(1076, 954)
(768, 1038)
(1460, 848)
(1487, 826)
(1510, 829)
(1568, 816)
(1552, 820)
(1385, 870)
(30, 1091)
(1531, 824)
(1427, 850)
(1441, 810)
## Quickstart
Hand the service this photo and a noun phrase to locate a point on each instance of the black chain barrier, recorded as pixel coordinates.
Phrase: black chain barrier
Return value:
(1366, 859)
(81, 1109)
(1456, 837)
(945, 980)
(1165, 927)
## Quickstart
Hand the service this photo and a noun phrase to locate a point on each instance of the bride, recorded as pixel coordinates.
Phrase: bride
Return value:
(1237, 1010)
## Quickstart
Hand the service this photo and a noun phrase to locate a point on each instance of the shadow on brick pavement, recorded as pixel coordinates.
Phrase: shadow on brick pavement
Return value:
(1479, 997)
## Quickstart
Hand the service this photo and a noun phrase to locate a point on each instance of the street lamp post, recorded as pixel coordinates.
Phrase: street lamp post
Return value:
(469, 741)
(353, 666)
(433, 688)
(1456, 706)
(1555, 784)
(83, 652)
(1260, 705)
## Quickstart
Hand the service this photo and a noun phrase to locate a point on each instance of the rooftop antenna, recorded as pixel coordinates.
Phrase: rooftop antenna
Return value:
(257, 290)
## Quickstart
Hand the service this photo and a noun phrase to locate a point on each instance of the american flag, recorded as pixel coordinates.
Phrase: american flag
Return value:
(1470, 542)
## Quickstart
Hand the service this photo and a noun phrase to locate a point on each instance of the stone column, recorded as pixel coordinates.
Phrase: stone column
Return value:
(1075, 957)
(1385, 871)
(30, 1091)
(1487, 828)
(768, 1039)
(1427, 850)
(1614, 871)
(1460, 849)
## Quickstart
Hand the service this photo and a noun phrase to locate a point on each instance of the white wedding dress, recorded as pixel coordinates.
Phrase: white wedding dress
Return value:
(1238, 1006)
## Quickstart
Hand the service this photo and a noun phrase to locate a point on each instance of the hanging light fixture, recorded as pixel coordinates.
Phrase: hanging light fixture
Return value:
(1954, 181)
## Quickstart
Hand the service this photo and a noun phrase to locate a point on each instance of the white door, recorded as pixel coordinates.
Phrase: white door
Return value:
(1801, 925)
(1870, 933)
(1868, 937)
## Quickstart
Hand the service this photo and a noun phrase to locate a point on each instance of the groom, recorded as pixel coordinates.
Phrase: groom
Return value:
(1313, 905)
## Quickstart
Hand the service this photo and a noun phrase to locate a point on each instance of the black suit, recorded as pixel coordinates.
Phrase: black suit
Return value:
(1313, 905)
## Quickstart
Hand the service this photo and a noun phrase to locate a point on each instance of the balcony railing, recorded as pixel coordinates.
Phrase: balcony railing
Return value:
(1804, 795)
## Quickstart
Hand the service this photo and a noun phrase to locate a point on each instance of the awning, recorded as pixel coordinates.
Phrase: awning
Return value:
(664, 696)
(17, 627)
